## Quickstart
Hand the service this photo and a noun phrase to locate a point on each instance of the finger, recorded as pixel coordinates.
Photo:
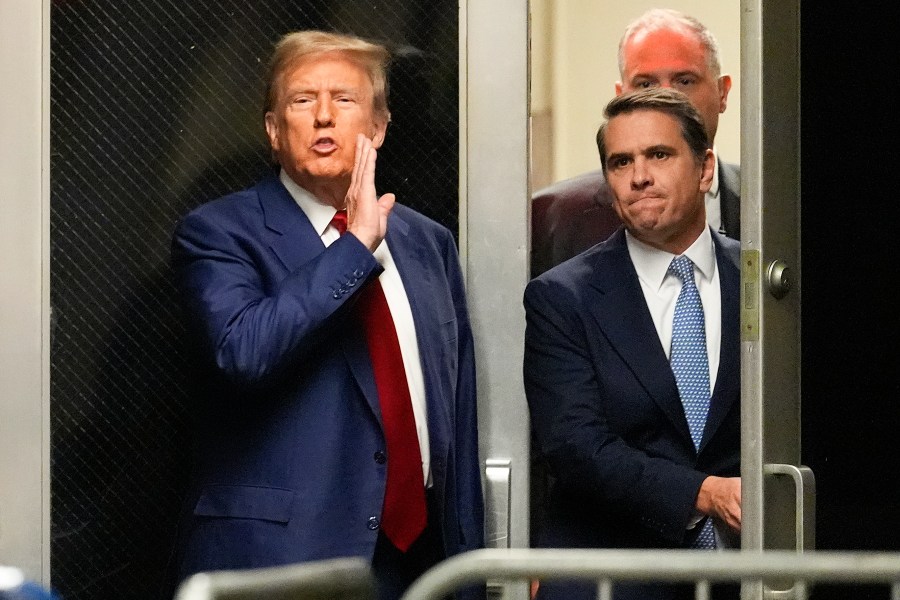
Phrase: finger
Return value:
(386, 203)
(369, 172)
(355, 176)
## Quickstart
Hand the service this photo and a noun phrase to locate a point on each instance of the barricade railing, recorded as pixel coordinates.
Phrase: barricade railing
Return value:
(336, 579)
(607, 567)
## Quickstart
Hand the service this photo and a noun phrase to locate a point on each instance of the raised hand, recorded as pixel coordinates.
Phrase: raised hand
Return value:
(367, 214)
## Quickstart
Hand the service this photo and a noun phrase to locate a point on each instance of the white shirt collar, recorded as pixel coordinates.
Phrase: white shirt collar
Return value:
(652, 264)
(319, 214)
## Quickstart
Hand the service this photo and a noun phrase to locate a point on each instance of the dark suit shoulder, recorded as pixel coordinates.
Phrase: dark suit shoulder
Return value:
(583, 268)
(419, 221)
(579, 187)
(729, 247)
(730, 176)
(569, 217)
(238, 202)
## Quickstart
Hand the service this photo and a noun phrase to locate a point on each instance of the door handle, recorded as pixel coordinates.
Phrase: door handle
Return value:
(497, 502)
(805, 520)
(804, 501)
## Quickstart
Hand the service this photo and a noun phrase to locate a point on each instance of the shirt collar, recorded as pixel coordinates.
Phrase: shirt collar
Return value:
(652, 264)
(319, 214)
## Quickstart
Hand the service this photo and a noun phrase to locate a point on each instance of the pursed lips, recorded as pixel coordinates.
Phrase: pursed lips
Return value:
(649, 197)
(324, 145)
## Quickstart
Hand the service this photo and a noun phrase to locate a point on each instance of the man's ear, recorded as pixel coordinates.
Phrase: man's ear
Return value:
(707, 169)
(272, 129)
(379, 133)
(724, 88)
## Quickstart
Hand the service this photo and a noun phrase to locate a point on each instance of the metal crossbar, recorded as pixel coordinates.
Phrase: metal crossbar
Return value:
(335, 579)
(664, 566)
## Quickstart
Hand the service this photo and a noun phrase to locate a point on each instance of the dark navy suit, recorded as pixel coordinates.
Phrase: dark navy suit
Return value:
(605, 408)
(291, 464)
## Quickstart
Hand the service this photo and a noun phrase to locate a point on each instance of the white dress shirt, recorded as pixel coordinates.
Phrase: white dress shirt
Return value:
(661, 291)
(320, 215)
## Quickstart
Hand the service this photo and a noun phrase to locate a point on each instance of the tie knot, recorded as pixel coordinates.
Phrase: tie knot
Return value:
(339, 221)
(683, 268)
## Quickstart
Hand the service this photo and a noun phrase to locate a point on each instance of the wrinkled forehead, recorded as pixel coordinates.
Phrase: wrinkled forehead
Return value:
(665, 51)
(334, 68)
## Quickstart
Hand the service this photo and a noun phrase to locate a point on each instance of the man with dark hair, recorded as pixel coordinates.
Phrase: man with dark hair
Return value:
(661, 48)
(339, 416)
(632, 364)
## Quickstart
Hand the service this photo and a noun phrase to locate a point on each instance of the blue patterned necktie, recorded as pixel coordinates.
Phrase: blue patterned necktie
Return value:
(691, 365)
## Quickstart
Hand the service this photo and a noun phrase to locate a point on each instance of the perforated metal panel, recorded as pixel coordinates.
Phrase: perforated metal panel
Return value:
(155, 108)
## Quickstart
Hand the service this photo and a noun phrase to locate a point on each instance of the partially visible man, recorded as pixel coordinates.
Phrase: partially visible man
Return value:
(661, 48)
(339, 414)
(632, 354)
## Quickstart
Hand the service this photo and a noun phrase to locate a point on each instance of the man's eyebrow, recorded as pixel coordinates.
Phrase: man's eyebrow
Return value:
(659, 148)
(690, 72)
(303, 88)
(617, 155)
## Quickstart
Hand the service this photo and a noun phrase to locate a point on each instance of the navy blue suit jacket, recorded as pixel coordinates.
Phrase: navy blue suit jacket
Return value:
(605, 408)
(291, 449)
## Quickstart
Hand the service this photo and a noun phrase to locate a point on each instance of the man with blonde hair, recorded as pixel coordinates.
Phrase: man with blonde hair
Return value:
(339, 413)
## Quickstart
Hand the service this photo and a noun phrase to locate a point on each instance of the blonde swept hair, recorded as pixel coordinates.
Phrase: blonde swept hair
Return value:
(298, 45)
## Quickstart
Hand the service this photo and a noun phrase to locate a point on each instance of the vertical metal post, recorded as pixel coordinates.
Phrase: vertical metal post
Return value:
(24, 287)
(770, 275)
(494, 217)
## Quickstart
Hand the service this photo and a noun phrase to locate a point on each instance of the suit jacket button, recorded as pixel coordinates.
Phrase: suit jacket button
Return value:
(380, 457)
(373, 523)
(358, 273)
(336, 295)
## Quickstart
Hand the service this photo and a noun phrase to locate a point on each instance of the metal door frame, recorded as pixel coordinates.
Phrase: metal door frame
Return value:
(778, 492)
(494, 234)
(25, 318)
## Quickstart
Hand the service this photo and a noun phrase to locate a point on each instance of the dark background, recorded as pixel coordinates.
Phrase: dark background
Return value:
(156, 108)
(850, 321)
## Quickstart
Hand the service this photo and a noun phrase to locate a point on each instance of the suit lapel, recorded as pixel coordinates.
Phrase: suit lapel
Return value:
(353, 344)
(730, 199)
(295, 242)
(617, 291)
(413, 262)
(727, 382)
(292, 237)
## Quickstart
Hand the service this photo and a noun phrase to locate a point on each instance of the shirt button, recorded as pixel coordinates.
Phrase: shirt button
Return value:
(380, 457)
(373, 523)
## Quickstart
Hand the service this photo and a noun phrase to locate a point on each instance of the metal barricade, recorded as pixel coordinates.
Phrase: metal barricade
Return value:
(337, 579)
(607, 567)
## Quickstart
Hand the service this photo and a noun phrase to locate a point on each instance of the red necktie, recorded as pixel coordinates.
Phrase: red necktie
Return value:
(404, 515)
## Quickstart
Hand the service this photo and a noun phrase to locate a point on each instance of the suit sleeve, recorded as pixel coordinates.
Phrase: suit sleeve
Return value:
(566, 401)
(251, 327)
